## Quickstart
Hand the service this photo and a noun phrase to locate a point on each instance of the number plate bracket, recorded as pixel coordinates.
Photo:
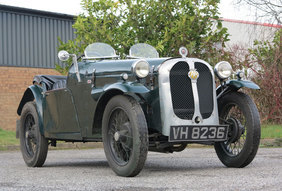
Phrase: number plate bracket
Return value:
(198, 133)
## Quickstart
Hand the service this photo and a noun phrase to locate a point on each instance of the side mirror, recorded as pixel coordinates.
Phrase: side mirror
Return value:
(63, 55)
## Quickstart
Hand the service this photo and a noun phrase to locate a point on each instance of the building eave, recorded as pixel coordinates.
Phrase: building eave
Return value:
(20, 10)
(252, 23)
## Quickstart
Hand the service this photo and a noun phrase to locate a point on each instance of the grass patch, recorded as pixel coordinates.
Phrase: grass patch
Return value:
(8, 138)
(271, 131)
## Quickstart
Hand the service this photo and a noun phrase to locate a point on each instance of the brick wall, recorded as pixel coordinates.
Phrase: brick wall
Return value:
(13, 83)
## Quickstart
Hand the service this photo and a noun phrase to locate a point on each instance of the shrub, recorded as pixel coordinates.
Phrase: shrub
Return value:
(166, 25)
(264, 61)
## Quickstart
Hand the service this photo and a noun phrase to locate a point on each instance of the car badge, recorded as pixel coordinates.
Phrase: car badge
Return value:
(193, 74)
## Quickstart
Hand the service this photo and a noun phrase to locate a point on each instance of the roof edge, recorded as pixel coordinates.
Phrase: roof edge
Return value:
(21, 10)
(252, 23)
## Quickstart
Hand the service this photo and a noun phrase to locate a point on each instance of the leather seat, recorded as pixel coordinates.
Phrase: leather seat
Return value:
(59, 84)
(51, 82)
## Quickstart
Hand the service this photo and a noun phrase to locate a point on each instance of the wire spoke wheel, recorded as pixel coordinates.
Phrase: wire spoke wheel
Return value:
(30, 135)
(237, 110)
(125, 135)
(34, 146)
(234, 117)
(120, 136)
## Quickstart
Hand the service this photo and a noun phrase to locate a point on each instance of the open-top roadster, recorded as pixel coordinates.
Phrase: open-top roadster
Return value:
(139, 104)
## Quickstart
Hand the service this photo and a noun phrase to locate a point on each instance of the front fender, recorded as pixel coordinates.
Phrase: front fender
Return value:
(104, 94)
(235, 85)
(243, 83)
(33, 93)
(125, 87)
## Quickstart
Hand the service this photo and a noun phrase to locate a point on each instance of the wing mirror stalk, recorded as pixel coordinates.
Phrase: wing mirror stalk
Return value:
(64, 56)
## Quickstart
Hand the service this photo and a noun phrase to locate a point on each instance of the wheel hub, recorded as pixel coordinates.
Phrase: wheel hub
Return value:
(116, 136)
(236, 129)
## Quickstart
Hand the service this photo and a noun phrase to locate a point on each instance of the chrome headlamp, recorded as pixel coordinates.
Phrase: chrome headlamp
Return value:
(223, 70)
(141, 68)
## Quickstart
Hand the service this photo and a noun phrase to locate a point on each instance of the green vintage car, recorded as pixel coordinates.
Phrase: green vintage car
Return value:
(139, 104)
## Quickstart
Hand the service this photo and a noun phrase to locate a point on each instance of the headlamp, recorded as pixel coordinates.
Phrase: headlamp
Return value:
(141, 68)
(223, 70)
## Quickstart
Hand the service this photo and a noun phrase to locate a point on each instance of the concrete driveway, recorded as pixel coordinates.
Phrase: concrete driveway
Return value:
(192, 169)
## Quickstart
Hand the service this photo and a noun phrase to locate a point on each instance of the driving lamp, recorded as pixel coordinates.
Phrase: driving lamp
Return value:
(240, 75)
(223, 70)
(140, 68)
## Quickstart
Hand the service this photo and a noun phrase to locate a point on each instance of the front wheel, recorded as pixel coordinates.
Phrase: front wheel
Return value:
(240, 113)
(125, 136)
(34, 146)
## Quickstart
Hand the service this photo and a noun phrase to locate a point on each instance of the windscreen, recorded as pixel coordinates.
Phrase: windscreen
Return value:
(99, 49)
(143, 50)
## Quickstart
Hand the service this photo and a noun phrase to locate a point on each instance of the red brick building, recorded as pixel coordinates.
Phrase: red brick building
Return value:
(28, 47)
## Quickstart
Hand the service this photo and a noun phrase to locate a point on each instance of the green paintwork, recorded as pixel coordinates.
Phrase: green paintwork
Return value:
(107, 81)
(154, 111)
(75, 113)
(110, 68)
(60, 118)
(69, 113)
(242, 83)
(125, 87)
(37, 94)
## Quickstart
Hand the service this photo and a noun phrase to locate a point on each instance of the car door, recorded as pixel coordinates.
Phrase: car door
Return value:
(84, 103)
(60, 116)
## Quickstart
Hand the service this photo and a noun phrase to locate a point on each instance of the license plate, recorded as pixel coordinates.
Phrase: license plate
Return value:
(198, 133)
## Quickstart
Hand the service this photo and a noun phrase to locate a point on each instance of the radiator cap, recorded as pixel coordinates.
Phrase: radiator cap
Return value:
(183, 52)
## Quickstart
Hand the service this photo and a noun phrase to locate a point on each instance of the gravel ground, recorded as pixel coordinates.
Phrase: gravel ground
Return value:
(192, 169)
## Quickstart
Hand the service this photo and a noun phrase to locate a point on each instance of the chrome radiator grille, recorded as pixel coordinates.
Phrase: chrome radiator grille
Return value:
(182, 93)
(205, 90)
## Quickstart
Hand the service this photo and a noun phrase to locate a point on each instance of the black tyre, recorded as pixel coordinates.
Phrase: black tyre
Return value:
(34, 146)
(238, 111)
(125, 136)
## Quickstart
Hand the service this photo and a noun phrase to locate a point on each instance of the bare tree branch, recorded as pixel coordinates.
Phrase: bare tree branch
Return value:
(265, 8)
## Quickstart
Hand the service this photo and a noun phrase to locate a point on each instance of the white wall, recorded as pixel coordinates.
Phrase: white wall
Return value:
(244, 33)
